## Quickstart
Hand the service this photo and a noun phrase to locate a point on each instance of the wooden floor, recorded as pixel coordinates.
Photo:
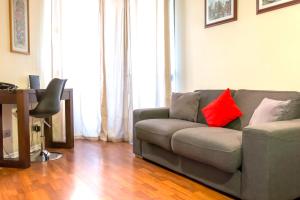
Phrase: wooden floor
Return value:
(96, 170)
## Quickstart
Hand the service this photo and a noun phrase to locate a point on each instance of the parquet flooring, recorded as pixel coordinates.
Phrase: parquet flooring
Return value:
(97, 170)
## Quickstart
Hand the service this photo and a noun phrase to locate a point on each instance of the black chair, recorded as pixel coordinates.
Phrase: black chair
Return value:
(48, 105)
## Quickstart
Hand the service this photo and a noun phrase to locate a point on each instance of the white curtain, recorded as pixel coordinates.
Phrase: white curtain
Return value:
(71, 50)
(116, 92)
(115, 55)
(137, 62)
(150, 39)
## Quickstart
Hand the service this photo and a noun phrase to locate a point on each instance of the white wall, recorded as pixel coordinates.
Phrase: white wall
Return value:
(15, 68)
(255, 52)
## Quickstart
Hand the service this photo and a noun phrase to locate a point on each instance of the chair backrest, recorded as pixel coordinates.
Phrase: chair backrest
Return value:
(49, 104)
(34, 82)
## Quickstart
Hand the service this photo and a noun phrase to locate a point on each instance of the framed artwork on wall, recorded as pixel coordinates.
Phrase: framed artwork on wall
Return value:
(269, 5)
(19, 26)
(219, 12)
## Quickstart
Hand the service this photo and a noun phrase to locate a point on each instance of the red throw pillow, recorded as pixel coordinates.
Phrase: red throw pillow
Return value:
(221, 111)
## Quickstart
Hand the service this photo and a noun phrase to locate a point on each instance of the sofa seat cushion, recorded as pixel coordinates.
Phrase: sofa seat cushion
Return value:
(217, 147)
(160, 131)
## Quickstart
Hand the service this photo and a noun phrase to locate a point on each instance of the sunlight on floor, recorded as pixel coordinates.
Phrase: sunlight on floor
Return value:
(82, 191)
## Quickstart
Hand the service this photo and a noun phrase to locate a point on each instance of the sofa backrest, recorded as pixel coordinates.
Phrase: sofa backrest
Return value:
(207, 96)
(247, 101)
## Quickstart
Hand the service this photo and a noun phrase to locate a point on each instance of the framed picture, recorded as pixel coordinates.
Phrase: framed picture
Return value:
(269, 5)
(219, 12)
(19, 26)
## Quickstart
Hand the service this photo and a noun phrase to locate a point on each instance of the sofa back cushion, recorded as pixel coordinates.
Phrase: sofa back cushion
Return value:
(248, 101)
(185, 106)
(221, 111)
(206, 97)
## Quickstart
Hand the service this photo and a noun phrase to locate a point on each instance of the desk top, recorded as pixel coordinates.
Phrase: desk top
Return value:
(10, 97)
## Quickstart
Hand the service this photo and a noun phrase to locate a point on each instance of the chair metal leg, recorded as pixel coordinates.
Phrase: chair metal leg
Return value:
(44, 155)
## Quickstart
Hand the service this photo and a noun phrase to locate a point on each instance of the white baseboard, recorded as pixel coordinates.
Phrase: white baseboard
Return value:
(87, 138)
(100, 139)
(16, 154)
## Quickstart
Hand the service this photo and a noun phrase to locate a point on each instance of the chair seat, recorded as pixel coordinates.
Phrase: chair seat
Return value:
(34, 113)
(217, 147)
(160, 131)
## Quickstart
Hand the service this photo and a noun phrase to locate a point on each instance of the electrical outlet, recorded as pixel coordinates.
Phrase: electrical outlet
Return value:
(6, 133)
(36, 128)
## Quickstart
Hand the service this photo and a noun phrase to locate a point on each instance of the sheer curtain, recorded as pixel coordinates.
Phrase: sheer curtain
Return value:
(71, 50)
(150, 38)
(137, 61)
(116, 55)
(116, 92)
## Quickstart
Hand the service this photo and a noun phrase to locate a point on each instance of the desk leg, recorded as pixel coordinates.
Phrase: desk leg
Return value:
(69, 121)
(69, 127)
(23, 129)
(1, 134)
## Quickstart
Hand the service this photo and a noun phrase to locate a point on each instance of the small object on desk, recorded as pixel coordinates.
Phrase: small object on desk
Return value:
(7, 86)
(34, 82)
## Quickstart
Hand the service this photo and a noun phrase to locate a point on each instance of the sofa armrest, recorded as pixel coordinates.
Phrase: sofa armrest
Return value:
(271, 161)
(142, 114)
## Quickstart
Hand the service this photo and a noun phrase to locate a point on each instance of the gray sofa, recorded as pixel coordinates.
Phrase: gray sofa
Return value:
(249, 162)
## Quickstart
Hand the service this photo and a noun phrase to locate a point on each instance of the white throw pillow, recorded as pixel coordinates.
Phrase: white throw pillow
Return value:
(269, 110)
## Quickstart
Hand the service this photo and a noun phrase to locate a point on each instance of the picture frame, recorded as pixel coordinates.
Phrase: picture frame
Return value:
(263, 6)
(19, 26)
(219, 12)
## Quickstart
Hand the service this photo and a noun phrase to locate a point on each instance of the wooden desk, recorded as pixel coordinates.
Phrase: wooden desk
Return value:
(23, 98)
